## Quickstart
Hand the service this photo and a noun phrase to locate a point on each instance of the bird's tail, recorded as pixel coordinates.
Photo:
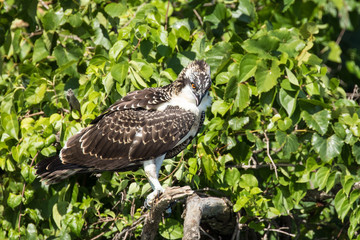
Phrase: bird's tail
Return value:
(52, 170)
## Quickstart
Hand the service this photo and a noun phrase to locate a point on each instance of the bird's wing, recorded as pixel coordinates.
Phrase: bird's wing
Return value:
(147, 98)
(123, 138)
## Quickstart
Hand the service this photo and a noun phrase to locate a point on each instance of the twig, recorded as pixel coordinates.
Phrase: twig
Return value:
(35, 114)
(137, 45)
(96, 237)
(268, 154)
(73, 37)
(279, 231)
(32, 114)
(355, 94)
(339, 38)
(198, 17)
(206, 234)
(261, 166)
(133, 226)
(166, 15)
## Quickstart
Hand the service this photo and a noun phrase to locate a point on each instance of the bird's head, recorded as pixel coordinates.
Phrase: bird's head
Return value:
(197, 76)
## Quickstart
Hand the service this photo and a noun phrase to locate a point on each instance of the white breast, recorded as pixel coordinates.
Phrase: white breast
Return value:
(185, 99)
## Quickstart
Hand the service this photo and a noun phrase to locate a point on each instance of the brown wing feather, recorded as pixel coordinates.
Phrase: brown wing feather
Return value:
(141, 99)
(124, 137)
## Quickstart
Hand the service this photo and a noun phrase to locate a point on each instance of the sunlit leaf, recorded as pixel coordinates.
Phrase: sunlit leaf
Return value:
(266, 77)
(327, 148)
(318, 121)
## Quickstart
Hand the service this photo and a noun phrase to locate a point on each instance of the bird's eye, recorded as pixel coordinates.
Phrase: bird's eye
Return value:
(193, 86)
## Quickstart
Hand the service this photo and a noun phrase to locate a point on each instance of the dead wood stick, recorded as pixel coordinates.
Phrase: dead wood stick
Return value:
(210, 208)
(153, 217)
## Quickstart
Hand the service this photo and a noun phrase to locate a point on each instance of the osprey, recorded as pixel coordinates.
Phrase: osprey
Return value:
(143, 128)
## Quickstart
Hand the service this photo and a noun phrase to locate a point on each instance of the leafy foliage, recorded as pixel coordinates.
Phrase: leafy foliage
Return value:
(281, 141)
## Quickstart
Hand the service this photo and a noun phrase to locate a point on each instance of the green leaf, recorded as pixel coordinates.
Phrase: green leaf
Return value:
(240, 203)
(237, 123)
(354, 196)
(321, 177)
(284, 124)
(245, 12)
(331, 181)
(318, 121)
(263, 46)
(51, 20)
(115, 9)
(207, 160)
(184, 33)
(289, 141)
(335, 52)
(232, 177)
(108, 82)
(266, 78)
(222, 78)
(288, 100)
(133, 188)
(31, 232)
(58, 211)
(75, 20)
(120, 71)
(75, 222)
(231, 88)
(10, 124)
(292, 78)
(287, 4)
(35, 95)
(218, 56)
(219, 14)
(339, 202)
(327, 148)
(356, 152)
(242, 99)
(67, 57)
(14, 200)
(248, 66)
(348, 183)
(142, 67)
(248, 180)
(40, 52)
(117, 49)
(136, 79)
(220, 106)
(171, 229)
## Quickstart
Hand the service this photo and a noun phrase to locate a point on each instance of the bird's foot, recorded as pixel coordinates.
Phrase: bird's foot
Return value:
(152, 197)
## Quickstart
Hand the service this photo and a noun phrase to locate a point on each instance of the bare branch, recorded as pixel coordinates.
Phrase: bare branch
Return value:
(198, 17)
(268, 154)
(261, 166)
(279, 231)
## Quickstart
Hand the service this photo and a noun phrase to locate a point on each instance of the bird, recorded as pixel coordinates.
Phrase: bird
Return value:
(141, 129)
(73, 101)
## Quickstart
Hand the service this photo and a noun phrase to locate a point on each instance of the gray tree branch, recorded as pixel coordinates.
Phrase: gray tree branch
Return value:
(153, 217)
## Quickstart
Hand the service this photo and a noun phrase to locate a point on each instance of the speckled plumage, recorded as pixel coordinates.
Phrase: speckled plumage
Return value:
(143, 127)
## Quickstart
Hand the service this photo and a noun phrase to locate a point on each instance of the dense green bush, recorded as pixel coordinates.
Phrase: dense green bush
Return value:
(281, 141)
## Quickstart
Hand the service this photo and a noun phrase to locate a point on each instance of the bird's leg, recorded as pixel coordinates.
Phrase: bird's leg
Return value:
(152, 168)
